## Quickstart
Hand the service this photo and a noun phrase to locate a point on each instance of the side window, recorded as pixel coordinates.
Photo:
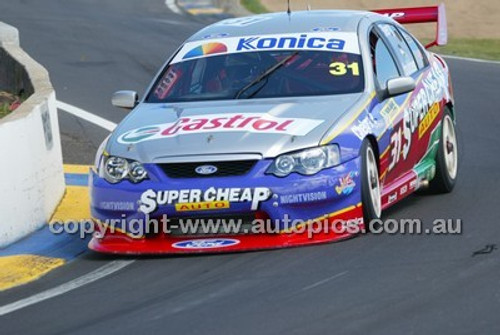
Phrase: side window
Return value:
(384, 66)
(402, 50)
(415, 49)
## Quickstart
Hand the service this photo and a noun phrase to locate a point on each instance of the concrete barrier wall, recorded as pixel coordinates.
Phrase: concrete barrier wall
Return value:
(31, 170)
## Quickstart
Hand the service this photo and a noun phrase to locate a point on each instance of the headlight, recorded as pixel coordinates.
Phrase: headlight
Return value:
(115, 169)
(308, 161)
(137, 172)
(284, 164)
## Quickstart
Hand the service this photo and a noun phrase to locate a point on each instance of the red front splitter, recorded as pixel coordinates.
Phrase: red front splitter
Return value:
(120, 243)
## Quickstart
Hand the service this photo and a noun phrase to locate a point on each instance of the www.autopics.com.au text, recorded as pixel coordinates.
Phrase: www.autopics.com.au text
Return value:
(224, 226)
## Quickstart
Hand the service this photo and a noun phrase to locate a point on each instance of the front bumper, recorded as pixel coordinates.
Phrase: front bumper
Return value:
(291, 202)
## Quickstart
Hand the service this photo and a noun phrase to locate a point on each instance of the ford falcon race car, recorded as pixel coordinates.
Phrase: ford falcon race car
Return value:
(281, 121)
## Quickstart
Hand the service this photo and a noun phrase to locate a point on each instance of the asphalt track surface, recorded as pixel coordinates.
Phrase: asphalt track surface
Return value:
(374, 284)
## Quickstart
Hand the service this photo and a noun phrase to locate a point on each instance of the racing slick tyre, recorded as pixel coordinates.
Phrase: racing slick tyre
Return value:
(446, 158)
(370, 185)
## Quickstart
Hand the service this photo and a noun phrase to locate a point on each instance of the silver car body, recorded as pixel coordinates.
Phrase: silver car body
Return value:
(330, 111)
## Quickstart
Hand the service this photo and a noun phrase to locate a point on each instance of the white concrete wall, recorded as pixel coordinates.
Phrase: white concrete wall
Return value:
(31, 170)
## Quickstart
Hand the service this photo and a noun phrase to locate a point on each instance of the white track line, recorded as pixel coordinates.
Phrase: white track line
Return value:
(474, 60)
(324, 281)
(91, 277)
(97, 120)
(172, 5)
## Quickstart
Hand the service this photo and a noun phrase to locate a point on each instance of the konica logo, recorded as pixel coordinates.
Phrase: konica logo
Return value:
(210, 243)
(304, 41)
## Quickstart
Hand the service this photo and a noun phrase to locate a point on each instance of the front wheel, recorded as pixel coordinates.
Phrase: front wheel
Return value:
(370, 184)
(447, 158)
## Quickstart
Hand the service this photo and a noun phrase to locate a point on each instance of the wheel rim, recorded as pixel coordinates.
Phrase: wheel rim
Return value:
(373, 182)
(450, 147)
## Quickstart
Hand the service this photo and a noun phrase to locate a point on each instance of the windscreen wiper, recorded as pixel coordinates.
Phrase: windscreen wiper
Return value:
(265, 74)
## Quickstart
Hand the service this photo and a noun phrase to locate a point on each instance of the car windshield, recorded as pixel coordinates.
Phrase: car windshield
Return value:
(264, 74)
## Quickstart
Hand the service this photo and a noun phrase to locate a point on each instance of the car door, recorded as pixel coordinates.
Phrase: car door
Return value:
(388, 111)
(402, 142)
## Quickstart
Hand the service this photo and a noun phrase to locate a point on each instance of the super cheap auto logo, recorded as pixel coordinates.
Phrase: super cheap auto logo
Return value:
(199, 200)
(242, 122)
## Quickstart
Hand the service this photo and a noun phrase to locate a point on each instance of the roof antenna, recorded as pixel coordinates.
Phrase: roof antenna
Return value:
(288, 10)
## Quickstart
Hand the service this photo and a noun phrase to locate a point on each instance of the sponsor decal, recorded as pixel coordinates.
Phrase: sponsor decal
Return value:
(364, 126)
(403, 190)
(320, 41)
(241, 122)
(303, 197)
(140, 134)
(117, 205)
(389, 111)
(194, 199)
(243, 21)
(426, 122)
(434, 89)
(346, 184)
(206, 169)
(206, 49)
(303, 41)
(326, 29)
(202, 206)
(209, 243)
(167, 82)
(393, 197)
(47, 127)
(216, 35)
(394, 15)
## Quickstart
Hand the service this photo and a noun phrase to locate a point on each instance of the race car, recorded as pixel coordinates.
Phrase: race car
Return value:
(287, 120)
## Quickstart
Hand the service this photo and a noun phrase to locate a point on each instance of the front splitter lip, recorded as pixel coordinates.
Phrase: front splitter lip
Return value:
(119, 243)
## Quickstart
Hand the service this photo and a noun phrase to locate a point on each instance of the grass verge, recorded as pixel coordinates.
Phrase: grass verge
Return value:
(254, 6)
(9, 102)
(4, 110)
(473, 48)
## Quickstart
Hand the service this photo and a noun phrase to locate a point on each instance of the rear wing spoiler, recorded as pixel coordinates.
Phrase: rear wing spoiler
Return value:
(421, 15)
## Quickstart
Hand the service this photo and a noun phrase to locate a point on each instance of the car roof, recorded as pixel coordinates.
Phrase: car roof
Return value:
(283, 23)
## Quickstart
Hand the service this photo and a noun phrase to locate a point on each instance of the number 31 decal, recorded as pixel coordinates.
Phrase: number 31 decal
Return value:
(341, 69)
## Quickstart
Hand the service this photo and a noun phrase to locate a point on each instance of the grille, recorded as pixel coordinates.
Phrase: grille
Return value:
(224, 169)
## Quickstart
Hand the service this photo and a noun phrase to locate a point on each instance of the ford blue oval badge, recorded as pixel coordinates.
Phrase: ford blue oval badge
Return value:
(206, 169)
(209, 243)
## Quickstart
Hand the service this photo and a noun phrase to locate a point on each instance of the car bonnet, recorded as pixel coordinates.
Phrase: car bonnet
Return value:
(155, 133)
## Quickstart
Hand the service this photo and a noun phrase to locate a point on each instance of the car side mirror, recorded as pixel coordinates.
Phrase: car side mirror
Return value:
(397, 86)
(125, 99)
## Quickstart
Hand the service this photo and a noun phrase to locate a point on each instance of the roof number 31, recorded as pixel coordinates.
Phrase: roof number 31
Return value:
(341, 69)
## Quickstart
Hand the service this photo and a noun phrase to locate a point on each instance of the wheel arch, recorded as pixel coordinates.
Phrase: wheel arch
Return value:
(373, 141)
(451, 107)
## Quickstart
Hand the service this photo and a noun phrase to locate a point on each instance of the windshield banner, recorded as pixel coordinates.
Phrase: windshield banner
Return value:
(321, 41)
